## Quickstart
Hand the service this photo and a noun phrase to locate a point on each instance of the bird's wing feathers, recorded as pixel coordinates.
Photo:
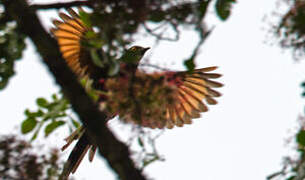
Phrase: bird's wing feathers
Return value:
(192, 93)
(163, 100)
(70, 34)
(194, 88)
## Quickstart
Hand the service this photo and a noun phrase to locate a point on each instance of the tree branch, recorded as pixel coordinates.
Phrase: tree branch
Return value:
(60, 5)
(115, 152)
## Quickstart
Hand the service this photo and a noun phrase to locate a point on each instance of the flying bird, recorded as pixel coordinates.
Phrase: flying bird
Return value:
(153, 100)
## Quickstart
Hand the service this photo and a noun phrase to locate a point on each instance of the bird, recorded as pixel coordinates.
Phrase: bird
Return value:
(151, 100)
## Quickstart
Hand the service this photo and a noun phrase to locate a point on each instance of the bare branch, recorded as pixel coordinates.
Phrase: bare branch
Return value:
(60, 5)
(159, 36)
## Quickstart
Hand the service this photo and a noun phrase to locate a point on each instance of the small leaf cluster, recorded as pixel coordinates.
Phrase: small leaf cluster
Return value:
(293, 167)
(52, 114)
(290, 30)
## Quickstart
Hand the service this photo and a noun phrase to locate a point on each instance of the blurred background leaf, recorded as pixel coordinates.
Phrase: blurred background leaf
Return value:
(11, 47)
(223, 8)
(20, 160)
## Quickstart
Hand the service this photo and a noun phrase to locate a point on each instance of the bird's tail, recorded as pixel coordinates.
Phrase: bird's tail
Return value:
(77, 154)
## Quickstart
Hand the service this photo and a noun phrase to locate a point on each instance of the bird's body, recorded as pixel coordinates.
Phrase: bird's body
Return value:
(153, 100)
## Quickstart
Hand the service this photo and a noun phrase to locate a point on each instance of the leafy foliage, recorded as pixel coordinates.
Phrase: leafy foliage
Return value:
(294, 167)
(300, 138)
(19, 160)
(291, 29)
(11, 47)
(54, 113)
(291, 34)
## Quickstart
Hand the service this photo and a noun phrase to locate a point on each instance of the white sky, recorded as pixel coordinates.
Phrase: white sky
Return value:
(243, 137)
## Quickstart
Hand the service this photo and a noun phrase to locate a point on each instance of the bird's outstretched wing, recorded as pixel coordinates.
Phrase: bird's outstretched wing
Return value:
(163, 100)
(71, 35)
(194, 91)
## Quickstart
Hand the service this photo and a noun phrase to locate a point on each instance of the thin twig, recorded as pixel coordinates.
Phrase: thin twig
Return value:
(159, 36)
(60, 5)
(154, 66)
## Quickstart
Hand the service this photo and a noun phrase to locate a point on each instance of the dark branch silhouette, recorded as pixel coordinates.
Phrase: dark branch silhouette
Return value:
(60, 5)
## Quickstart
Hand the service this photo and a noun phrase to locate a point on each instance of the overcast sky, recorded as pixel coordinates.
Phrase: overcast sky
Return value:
(243, 137)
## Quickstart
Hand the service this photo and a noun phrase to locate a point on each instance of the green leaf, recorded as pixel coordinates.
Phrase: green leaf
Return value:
(140, 142)
(90, 34)
(291, 177)
(56, 109)
(39, 113)
(85, 17)
(42, 102)
(35, 135)
(27, 112)
(54, 97)
(189, 64)
(28, 125)
(75, 123)
(11, 47)
(303, 86)
(96, 58)
(223, 8)
(93, 94)
(300, 138)
(30, 114)
(52, 126)
(37, 131)
(113, 68)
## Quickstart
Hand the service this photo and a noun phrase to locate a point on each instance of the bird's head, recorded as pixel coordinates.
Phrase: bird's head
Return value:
(134, 54)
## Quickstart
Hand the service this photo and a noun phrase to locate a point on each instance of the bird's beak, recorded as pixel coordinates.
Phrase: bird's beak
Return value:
(145, 49)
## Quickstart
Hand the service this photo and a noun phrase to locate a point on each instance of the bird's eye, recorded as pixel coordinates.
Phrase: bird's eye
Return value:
(133, 48)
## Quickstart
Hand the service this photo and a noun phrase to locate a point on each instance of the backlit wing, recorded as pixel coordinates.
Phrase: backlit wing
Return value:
(162, 100)
(71, 37)
(194, 91)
